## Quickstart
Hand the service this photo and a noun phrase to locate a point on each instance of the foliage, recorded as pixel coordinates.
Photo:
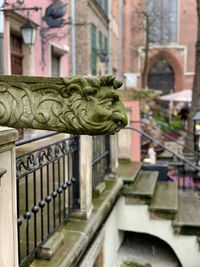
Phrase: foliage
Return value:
(175, 123)
(141, 94)
(146, 94)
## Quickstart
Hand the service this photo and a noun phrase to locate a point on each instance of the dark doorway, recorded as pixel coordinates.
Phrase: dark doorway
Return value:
(161, 77)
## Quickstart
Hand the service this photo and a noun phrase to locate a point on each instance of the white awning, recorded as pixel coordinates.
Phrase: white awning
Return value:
(182, 96)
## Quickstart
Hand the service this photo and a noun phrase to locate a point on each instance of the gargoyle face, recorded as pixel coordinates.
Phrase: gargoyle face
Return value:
(97, 108)
(107, 111)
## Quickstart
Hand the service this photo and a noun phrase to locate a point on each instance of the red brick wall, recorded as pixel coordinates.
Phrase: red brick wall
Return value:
(180, 56)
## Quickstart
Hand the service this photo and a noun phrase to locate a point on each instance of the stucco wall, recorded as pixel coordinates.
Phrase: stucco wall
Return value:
(129, 143)
(32, 55)
(136, 218)
(112, 240)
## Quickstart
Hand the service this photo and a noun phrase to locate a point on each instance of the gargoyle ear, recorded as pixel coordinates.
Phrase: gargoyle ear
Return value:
(72, 88)
(75, 84)
(106, 80)
(110, 81)
(117, 84)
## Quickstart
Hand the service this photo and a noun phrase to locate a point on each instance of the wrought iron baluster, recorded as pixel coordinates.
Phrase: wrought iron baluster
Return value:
(54, 194)
(35, 208)
(48, 199)
(27, 214)
(59, 192)
(19, 221)
(45, 171)
(64, 186)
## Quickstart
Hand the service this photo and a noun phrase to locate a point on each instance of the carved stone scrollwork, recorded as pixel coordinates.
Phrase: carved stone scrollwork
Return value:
(76, 105)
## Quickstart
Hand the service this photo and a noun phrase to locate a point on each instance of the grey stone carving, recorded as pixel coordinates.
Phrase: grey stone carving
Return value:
(76, 105)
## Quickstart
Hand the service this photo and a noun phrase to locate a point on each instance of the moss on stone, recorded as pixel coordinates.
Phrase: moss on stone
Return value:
(134, 264)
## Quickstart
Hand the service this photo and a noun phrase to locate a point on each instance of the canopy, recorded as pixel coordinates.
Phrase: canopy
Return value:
(182, 96)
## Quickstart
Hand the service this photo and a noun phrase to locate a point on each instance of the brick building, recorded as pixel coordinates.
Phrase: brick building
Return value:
(172, 43)
(96, 37)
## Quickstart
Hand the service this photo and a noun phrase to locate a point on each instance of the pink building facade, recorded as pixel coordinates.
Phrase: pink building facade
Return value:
(48, 56)
(177, 54)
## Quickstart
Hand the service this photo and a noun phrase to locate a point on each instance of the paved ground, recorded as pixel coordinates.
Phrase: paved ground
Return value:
(144, 249)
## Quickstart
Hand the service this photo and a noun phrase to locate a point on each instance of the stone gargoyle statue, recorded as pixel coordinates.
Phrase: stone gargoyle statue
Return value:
(75, 105)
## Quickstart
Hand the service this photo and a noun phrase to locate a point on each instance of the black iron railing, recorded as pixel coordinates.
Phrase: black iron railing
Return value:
(101, 159)
(179, 162)
(47, 192)
(164, 134)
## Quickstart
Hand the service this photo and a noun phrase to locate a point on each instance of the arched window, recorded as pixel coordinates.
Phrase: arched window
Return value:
(163, 21)
(161, 77)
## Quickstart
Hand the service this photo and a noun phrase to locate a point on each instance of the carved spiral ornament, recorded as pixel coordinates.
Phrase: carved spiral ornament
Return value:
(76, 105)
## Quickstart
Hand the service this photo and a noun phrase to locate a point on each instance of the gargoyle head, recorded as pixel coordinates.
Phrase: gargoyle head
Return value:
(95, 105)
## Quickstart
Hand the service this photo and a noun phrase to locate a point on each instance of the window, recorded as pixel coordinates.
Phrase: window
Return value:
(100, 41)
(55, 65)
(106, 53)
(93, 49)
(106, 44)
(16, 54)
(17, 64)
(163, 21)
(104, 5)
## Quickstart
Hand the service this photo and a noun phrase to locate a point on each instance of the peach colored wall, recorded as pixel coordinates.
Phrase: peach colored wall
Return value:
(134, 108)
(129, 141)
(61, 43)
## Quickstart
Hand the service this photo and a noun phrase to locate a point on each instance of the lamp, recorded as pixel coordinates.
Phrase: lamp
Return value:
(196, 120)
(28, 31)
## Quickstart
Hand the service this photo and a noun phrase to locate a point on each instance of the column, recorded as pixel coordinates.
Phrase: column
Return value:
(8, 210)
(86, 175)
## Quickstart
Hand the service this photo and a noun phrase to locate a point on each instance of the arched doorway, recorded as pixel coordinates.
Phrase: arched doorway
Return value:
(161, 77)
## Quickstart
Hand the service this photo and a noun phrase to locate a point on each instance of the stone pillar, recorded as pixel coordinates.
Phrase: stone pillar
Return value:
(8, 211)
(114, 162)
(86, 175)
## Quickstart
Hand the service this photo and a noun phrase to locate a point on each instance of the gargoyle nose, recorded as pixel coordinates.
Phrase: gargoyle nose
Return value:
(120, 119)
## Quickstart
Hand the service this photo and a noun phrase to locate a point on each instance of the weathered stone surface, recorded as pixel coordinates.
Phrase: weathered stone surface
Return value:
(99, 189)
(76, 105)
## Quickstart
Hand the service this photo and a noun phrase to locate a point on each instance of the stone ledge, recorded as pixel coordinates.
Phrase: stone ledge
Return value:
(47, 251)
(99, 189)
(128, 170)
(79, 233)
(7, 135)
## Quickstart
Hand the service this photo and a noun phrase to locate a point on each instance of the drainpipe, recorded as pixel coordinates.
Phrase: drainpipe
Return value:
(73, 36)
(1, 39)
(120, 47)
(110, 62)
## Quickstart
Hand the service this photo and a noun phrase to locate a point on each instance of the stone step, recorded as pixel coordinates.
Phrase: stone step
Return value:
(187, 219)
(128, 170)
(165, 156)
(142, 190)
(164, 203)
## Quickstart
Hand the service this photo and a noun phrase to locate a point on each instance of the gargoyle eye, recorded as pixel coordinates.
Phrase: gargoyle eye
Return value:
(115, 98)
(108, 104)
